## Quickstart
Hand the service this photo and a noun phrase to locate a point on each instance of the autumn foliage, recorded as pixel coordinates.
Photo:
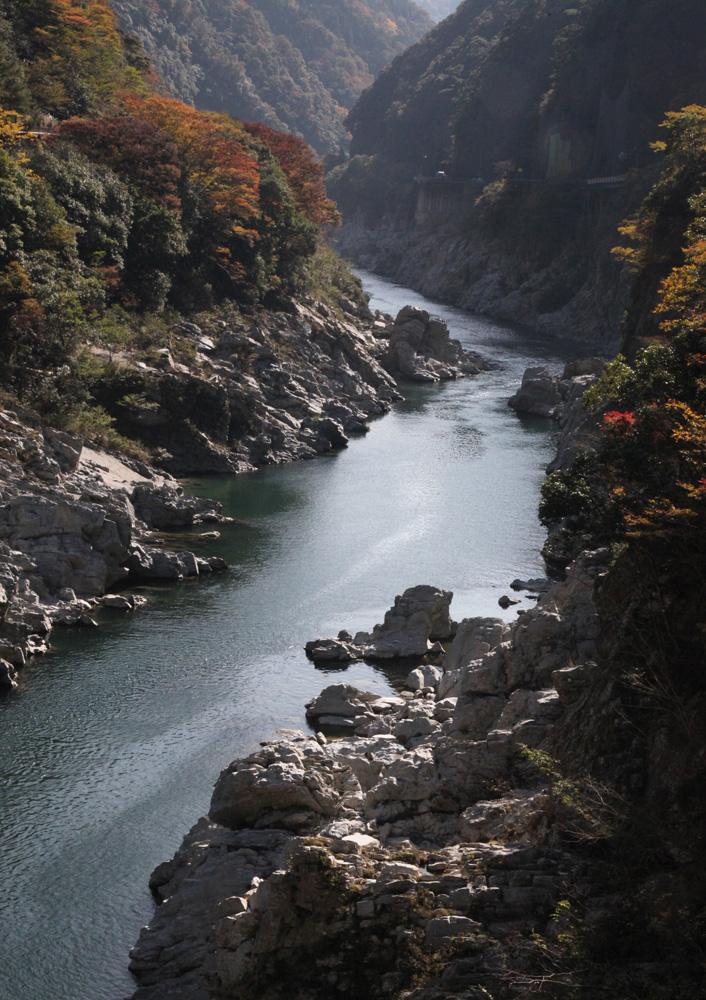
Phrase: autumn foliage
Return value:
(114, 196)
(303, 171)
(643, 490)
(133, 148)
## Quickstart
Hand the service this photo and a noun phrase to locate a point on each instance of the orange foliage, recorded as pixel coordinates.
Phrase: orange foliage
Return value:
(303, 171)
(80, 59)
(214, 149)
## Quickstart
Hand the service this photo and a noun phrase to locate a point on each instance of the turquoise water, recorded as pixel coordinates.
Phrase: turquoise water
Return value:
(109, 751)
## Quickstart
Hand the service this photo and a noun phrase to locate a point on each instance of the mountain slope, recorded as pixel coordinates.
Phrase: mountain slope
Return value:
(519, 104)
(294, 66)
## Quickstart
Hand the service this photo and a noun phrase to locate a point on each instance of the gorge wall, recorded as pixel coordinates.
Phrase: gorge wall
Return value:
(492, 163)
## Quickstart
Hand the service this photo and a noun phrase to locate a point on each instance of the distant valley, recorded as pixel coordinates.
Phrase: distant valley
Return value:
(297, 67)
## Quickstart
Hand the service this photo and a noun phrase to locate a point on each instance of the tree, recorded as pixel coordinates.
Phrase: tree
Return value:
(303, 171)
(139, 152)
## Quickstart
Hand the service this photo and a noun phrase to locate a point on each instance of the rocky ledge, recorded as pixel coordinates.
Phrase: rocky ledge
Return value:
(408, 852)
(75, 522)
(279, 386)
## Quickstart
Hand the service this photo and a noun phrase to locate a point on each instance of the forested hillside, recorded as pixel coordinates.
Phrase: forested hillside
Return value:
(293, 66)
(438, 9)
(494, 125)
(122, 210)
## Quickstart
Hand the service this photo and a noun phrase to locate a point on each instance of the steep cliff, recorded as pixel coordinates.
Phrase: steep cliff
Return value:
(511, 142)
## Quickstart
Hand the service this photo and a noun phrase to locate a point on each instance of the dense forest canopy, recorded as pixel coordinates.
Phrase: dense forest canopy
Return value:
(122, 209)
(293, 66)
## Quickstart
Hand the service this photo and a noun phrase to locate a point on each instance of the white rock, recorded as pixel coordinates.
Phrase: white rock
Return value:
(424, 676)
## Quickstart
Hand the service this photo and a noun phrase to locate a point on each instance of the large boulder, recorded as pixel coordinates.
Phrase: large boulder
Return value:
(76, 544)
(165, 506)
(539, 394)
(421, 349)
(289, 784)
(419, 615)
(346, 706)
(474, 638)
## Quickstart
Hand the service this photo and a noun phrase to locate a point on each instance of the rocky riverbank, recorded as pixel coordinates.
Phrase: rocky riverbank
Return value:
(275, 387)
(581, 297)
(412, 847)
(76, 521)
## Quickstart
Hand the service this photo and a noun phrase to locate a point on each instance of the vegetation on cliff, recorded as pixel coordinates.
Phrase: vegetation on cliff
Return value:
(123, 210)
(526, 90)
(293, 66)
(642, 492)
(510, 142)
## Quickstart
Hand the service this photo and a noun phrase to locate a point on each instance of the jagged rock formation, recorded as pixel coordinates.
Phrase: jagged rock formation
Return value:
(70, 528)
(284, 387)
(561, 397)
(418, 618)
(383, 844)
(421, 349)
(278, 387)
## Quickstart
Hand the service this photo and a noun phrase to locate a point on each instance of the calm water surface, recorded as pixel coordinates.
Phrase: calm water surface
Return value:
(109, 751)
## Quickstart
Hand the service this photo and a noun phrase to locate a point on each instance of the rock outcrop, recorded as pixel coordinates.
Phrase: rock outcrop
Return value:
(281, 386)
(419, 841)
(558, 396)
(571, 297)
(419, 618)
(262, 390)
(421, 349)
(69, 530)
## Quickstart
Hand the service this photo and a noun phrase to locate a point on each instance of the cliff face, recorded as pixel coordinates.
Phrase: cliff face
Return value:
(489, 827)
(580, 297)
(517, 136)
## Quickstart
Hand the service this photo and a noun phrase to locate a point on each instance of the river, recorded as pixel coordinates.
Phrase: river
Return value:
(109, 750)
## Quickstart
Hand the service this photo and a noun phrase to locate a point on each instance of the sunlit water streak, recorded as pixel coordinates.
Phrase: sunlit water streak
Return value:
(110, 749)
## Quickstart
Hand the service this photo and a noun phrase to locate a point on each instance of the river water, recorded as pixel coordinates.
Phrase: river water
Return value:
(109, 751)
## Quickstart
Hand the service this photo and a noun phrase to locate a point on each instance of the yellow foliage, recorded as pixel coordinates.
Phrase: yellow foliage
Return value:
(15, 136)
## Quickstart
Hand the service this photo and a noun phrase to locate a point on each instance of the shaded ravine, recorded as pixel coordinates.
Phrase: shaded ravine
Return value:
(111, 747)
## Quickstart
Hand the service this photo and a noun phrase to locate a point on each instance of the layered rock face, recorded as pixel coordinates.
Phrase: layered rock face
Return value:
(569, 297)
(283, 386)
(71, 527)
(353, 866)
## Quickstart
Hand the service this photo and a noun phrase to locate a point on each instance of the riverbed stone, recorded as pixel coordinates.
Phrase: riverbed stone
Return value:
(331, 649)
(285, 785)
(421, 613)
(539, 393)
(424, 676)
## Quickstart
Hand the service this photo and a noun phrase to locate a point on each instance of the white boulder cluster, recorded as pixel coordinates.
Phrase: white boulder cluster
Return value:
(329, 863)
(414, 626)
(72, 527)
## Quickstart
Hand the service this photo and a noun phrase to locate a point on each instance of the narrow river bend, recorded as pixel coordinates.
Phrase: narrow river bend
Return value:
(109, 751)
